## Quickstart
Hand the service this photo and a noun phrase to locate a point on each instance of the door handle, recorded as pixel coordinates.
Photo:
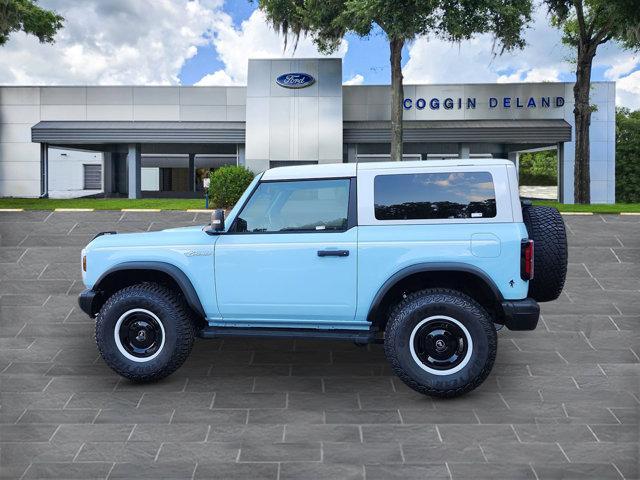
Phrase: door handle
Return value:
(333, 253)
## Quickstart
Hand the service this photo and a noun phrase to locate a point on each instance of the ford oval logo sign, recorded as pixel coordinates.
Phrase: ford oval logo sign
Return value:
(295, 80)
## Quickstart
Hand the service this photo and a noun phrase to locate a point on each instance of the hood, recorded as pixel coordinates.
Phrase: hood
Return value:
(170, 236)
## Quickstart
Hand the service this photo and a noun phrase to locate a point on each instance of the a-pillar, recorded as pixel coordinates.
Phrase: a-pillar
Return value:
(192, 172)
(134, 169)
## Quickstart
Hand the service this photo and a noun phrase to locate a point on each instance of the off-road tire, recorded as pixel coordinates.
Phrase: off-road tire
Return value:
(546, 228)
(177, 321)
(408, 314)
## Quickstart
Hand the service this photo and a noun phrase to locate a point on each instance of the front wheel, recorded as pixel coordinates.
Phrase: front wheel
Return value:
(440, 342)
(144, 332)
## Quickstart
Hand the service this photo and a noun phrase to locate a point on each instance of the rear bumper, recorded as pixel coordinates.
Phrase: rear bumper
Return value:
(521, 314)
(88, 302)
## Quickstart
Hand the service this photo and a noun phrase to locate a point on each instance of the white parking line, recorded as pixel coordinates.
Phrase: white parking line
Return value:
(140, 210)
(74, 209)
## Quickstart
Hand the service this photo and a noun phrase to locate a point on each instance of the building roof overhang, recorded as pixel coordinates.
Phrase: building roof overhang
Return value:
(88, 132)
(435, 131)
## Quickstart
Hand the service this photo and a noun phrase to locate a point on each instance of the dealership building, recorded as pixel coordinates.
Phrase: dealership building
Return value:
(144, 141)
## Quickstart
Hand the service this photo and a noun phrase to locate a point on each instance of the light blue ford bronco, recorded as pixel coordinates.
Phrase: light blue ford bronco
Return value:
(429, 258)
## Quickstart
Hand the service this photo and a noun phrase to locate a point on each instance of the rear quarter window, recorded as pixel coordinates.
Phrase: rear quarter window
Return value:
(442, 195)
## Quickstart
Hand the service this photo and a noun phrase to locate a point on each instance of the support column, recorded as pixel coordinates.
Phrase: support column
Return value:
(352, 154)
(515, 158)
(192, 172)
(464, 150)
(241, 155)
(561, 176)
(107, 173)
(44, 170)
(134, 164)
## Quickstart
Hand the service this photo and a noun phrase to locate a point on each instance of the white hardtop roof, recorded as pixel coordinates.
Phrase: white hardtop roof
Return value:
(336, 170)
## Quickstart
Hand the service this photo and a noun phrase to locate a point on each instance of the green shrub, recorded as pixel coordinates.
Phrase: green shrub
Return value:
(227, 184)
(627, 156)
(539, 168)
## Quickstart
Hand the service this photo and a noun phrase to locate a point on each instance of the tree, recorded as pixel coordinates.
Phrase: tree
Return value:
(627, 155)
(328, 21)
(587, 24)
(28, 17)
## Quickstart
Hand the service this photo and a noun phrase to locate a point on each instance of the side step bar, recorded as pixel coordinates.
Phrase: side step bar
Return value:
(357, 336)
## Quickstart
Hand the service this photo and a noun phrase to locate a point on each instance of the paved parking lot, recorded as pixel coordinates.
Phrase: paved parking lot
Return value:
(562, 402)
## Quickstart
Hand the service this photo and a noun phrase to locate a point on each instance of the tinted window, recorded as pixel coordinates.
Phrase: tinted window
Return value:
(419, 196)
(304, 206)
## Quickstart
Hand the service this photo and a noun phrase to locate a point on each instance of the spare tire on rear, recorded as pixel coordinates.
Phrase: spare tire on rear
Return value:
(546, 228)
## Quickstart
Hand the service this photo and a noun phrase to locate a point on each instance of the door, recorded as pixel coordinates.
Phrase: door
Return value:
(92, 177)
(290, 258)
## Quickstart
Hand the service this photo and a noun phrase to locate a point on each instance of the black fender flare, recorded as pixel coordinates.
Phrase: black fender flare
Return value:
(430, 267)
(174, 272)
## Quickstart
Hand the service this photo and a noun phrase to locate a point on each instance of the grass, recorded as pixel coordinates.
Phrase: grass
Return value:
(102, 203)
(595, 208)
(198, 203)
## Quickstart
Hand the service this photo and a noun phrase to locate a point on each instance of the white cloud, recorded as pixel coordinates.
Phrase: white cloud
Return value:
(219, 77)
(531, 75)
(357, 79)
(621, 65)
(115, 42)
(436, 61)
(253, 39)
(628, 91)
(545, 58)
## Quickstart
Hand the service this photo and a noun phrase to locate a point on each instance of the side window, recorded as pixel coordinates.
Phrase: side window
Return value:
(296, 206)
(425, 196)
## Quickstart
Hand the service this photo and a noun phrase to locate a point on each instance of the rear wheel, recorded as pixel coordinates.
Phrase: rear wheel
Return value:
(440, 342)
(144, 332)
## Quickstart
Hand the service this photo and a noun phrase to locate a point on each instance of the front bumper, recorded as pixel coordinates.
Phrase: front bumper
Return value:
(521, 314)
(88, 302)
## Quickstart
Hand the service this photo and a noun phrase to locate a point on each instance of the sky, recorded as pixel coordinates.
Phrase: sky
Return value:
(208, 42)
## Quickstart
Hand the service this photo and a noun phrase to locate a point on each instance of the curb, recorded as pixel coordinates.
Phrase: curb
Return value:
(576, 213)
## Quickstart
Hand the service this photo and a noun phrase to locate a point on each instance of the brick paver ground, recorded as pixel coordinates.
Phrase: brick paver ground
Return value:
(562, 402)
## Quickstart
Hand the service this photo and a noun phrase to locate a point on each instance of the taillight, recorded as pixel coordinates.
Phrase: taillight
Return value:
(526, 260)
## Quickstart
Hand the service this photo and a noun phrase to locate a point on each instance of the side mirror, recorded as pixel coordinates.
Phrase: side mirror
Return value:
(217, 220)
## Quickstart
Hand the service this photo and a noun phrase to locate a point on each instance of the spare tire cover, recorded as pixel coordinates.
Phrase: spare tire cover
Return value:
(546, 228)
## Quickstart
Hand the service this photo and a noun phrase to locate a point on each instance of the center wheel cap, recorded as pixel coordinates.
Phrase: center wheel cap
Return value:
(139, 335)
(441, 345)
